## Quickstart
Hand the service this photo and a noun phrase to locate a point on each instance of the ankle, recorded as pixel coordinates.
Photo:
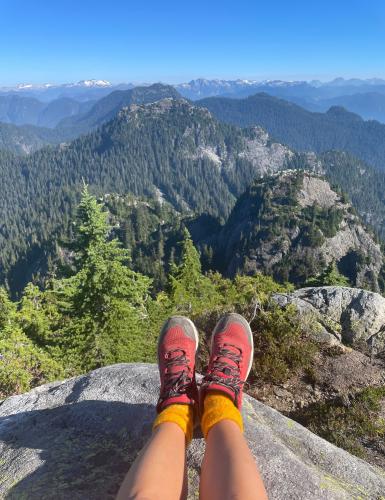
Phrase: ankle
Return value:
(180, 414)
(217, 407)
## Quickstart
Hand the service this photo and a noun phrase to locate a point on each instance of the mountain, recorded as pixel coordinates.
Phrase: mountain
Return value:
(303, 130)
(83, 91)
(169, 151)
(106, 108)
(21, 110)
(86, 116)
(364, 97)
(201, 88)
(26, 139)
(369, 105)
(74, 116)
(292, 225)
(63, 107)
(290, 90)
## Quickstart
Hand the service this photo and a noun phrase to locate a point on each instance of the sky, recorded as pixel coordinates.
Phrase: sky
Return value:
(145, 41)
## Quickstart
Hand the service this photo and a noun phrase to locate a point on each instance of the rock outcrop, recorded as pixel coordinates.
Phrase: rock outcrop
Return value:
(293, 225)
(76, 439)
(351, 315)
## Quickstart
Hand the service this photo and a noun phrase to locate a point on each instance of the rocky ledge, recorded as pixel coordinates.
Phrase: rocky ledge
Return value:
(351, 315)
(76, 439)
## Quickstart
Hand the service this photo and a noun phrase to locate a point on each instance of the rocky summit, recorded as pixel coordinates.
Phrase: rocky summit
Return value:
(77, 438)
(292, 225)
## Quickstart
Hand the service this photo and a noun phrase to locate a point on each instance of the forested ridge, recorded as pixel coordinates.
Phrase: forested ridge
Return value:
(27, 137)
(303, 130)
(41, 190)
(107, 107)
(168, 149)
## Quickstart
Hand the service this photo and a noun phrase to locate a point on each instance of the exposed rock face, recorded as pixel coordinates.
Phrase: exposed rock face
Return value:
(348, 314)
(267, 156)
(317, 191)
(292, 225)
(76, 439)
(200, 139)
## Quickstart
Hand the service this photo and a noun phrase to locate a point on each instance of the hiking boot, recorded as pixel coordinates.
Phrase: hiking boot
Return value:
(177, 345)
(231, 358)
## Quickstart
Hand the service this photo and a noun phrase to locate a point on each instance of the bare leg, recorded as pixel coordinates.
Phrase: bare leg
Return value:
(159, 469)
(228, 469)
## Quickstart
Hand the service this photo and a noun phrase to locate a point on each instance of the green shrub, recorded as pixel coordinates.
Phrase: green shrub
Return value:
(23, 365)
(281, 347)
(330, 276)
(348, 423)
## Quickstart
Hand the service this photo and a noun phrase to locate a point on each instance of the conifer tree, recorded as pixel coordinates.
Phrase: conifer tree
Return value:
(329, 277)
(107, 300)
(190, 289)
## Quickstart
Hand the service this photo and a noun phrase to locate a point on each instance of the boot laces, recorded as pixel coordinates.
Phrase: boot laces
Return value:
(176, 382)
(221, 366)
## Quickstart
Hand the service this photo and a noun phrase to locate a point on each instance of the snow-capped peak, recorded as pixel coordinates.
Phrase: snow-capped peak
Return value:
(26, 86)
(94, 83)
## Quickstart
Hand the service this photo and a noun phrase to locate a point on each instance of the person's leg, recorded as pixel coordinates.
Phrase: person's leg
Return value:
(160, 469)
(228, 470)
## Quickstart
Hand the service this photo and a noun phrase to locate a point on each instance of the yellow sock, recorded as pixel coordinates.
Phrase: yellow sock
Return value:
(217, 407)
(180, 414)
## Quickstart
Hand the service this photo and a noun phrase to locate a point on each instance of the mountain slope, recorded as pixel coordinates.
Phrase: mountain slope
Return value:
(107, 108)
(168, 150)
(369, 105)
(26, 139)
(292, 225)
(168, 147)
(303, 130)
(22, 110)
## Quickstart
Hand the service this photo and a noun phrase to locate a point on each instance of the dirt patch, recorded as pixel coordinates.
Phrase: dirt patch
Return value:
(336, 375)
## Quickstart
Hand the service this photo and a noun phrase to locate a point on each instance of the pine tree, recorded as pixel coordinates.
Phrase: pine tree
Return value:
(191, 291)
(91, 226)
(329, 277)
(107, 300)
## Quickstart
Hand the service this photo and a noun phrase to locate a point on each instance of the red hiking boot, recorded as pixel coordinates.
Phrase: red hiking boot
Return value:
(231, 358)
(177, 345)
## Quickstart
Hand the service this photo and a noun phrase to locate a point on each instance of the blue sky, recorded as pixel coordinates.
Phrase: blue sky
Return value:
(62, 41)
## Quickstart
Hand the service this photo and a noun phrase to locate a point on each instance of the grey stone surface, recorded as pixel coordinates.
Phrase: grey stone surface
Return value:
(352, 315)
(76, 439)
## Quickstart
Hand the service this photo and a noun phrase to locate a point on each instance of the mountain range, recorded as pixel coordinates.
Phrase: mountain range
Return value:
(364, 97)
(288, 123)
(22, 110)
(28, 138)
(170, 151)
(83, 90)
(303, 130)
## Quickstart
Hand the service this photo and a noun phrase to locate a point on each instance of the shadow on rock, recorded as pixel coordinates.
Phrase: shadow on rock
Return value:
(78, 451)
